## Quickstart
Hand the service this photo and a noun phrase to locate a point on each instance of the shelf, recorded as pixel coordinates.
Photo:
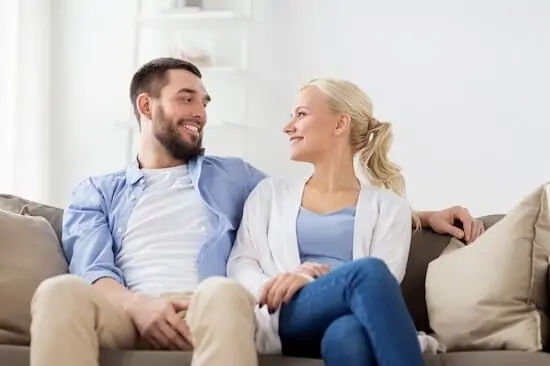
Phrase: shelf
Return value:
(205, 70)
(209, 125)
(163, 19)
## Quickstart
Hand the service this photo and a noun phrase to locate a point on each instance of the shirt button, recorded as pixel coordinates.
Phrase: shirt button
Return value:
(119, 230)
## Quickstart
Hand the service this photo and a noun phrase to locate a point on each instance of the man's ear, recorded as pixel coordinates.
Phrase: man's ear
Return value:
(144, 105)
(342, 124)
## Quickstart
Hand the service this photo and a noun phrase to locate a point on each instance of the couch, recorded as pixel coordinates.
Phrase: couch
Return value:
(425, 247)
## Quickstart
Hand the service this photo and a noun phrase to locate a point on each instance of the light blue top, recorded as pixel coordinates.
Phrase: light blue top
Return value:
(326, 238)
(95, 221)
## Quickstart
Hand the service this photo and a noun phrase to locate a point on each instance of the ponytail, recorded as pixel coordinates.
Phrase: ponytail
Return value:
(374, 158)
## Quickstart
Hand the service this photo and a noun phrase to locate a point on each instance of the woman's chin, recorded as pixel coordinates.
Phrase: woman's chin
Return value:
(299, 156)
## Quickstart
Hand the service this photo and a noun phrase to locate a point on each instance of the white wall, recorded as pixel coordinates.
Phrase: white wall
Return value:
(8, 39)
(91, 69)
(465, 84)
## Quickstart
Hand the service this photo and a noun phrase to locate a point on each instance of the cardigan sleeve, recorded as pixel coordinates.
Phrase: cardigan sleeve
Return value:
(391, 238)
(244, 260)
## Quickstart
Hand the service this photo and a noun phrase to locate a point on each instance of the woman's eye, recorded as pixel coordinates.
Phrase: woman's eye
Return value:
(300, 114)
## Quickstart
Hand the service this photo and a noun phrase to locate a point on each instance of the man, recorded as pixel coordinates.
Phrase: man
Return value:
(148, 245)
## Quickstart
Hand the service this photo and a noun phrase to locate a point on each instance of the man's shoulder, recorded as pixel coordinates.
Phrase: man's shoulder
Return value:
(226, 161)
(102, 181)
(98, 189)
(234, 168)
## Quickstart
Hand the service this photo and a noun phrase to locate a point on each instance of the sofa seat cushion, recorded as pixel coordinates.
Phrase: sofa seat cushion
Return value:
(29, 254)
(490, 358)
(493, 293)
(19, 356)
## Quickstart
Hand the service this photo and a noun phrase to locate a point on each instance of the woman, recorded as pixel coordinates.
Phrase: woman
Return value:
(325, 256)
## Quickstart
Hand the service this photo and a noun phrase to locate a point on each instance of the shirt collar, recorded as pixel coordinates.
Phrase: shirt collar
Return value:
(134, 173)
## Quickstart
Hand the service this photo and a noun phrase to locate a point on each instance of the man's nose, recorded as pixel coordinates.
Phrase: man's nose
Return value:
(199, 113)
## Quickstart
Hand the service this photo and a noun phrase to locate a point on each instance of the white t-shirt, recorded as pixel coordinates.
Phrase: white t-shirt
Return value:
(165, 233)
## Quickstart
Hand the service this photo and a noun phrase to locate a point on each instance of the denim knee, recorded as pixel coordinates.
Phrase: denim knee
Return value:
(371, 267)
(345, 342)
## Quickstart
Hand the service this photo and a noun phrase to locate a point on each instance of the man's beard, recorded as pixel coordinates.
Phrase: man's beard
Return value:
(167, 134)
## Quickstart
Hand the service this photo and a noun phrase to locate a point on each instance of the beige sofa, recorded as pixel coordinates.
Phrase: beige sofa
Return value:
(426, 246)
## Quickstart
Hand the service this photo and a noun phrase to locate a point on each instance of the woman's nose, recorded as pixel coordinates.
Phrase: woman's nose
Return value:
(289, 127)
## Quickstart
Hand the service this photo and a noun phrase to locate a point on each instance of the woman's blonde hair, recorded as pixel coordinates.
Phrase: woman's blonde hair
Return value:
(369, 138)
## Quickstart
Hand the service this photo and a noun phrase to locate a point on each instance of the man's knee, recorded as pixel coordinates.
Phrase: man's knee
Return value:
(59, 291)
(224, 292)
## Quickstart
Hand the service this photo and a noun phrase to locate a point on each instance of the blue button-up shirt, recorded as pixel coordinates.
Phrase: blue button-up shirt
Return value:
(95, 221)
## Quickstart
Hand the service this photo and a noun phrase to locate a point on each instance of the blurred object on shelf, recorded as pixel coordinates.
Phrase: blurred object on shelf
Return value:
(194, 54)
(187, 4)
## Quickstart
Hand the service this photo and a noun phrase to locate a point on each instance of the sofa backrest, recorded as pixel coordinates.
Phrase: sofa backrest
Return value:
(426, 246)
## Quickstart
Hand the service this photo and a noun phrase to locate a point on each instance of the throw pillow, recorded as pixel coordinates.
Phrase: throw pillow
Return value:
(22, 206)
(29, 254)
(493, 293)
(426, 245)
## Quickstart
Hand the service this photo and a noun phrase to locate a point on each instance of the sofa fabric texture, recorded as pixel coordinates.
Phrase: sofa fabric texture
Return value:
(426, 246)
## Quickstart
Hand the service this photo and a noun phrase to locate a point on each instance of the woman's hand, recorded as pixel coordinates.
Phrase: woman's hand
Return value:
(281, 289)
(312, 269)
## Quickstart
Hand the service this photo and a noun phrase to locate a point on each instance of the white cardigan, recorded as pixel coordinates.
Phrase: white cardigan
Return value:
(266, 243)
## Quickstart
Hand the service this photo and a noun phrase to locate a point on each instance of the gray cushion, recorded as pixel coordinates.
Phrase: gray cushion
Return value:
(22, 206)
(19, 356)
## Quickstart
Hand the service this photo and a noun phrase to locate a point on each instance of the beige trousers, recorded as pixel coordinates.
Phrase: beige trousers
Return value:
(71, 321)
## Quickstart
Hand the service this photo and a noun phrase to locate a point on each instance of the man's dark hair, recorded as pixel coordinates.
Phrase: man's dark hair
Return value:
(151, 77)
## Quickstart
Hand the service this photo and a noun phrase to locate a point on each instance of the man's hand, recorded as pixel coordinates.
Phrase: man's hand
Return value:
(443, 222)
(312, 269)
(159, 324)
(281, 289)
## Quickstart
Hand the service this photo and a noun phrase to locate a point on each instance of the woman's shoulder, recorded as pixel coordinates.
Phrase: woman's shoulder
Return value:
(275, 186)
(280, 183)
(384, 198)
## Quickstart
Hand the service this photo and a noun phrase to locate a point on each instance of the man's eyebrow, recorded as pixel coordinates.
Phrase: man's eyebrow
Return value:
(193, 91)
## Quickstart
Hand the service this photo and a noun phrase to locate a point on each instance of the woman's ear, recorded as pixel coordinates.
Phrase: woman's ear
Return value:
(343, 123)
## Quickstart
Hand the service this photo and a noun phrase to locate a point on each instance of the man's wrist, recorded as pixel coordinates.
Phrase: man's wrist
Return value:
(130, 302)
(424, 217)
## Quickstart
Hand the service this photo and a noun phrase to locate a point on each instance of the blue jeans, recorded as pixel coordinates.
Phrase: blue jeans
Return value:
(352, 316)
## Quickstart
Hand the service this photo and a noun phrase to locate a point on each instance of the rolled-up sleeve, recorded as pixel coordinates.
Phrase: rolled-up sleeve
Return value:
(86, 236)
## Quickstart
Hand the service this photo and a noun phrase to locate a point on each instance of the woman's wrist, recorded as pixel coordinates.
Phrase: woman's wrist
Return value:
(308, 277)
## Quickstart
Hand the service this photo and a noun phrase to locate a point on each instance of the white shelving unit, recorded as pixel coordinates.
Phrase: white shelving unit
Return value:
(218, 30)
(178, 16)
